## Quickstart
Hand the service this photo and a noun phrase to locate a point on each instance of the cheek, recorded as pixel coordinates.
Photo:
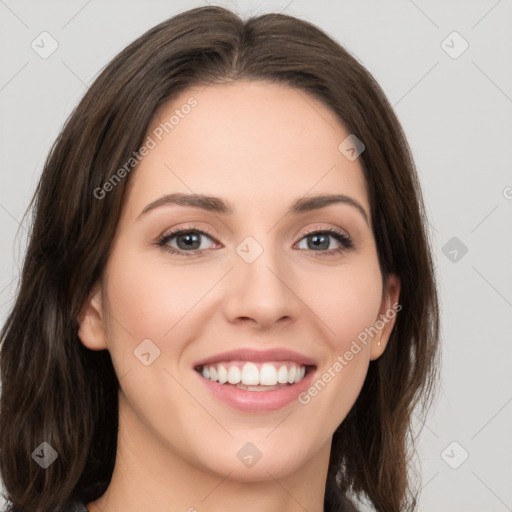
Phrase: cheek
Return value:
(150, 300)
(347, 301)
(348, 305)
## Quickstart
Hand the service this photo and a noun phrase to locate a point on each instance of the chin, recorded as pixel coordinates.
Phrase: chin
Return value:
(258, 460)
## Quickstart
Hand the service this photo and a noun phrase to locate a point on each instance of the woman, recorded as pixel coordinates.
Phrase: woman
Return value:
(228, 296)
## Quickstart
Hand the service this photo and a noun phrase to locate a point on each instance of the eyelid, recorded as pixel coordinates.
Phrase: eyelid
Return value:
(175, 231)
(324, 229)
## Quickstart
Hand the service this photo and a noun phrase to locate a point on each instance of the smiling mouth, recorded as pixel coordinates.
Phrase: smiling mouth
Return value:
(255, 376)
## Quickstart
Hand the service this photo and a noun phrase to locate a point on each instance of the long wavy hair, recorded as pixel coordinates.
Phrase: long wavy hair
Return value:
(56, 390)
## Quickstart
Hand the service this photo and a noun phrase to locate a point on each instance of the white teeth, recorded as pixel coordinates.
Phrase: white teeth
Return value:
(222, 374)
(268, 375)
(282, 374)
(250, 375)
(234, 375)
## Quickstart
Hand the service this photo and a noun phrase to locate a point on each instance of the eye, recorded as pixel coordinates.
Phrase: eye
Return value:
(184, 240)
(320, 241)
(189, 242)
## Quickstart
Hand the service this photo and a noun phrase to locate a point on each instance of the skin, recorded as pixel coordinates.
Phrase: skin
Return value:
(258, 146)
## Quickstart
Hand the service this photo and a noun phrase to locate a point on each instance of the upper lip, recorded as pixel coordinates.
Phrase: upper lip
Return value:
(248, 354)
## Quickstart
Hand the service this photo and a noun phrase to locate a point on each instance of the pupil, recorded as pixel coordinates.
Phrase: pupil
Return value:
(318, 243)
(190, 240)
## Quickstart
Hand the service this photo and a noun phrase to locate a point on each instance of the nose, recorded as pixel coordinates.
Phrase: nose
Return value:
(262, 293)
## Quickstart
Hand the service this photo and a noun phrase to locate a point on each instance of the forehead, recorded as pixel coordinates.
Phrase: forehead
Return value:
(248, 141)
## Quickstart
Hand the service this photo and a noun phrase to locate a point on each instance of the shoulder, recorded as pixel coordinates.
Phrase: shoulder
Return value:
(75, 506)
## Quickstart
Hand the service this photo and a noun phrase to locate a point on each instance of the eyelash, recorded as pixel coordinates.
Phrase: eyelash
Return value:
(344, 240)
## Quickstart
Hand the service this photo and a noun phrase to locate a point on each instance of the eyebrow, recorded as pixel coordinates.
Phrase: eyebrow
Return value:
(217, 205)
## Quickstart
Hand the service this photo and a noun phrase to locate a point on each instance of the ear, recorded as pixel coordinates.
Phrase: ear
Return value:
(388, 311)
(91, 329)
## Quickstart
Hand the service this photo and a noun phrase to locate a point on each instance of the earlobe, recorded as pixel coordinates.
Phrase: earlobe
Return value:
(386, 319)
(91, 330)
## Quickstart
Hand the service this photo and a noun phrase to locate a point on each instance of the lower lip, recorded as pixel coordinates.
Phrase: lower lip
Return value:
(257, 401)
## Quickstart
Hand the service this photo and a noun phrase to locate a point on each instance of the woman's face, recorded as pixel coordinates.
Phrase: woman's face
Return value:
(264, 284)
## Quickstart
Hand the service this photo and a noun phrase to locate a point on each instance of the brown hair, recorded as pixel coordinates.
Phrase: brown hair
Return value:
(56, 390)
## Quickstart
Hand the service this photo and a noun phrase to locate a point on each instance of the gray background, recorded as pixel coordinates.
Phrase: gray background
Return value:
(456, 113)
